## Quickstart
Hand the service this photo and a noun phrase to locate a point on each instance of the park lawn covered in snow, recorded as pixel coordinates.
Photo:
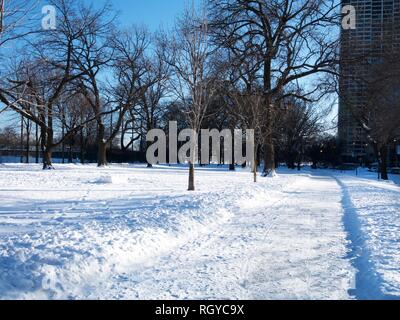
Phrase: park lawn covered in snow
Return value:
(128, 232)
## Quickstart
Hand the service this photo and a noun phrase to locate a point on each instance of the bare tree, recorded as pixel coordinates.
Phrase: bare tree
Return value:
(129, 67)
(245, 93)
(155, 84)
(9, 138)
(380, 116)
(18, 19)
(189, 56)
(41, 81)
(290, 39)
(92, 55)
(300, 123)
(36, 94)
(249, 111)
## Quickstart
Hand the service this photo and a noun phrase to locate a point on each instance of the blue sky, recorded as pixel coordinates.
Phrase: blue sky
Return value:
(152, 13)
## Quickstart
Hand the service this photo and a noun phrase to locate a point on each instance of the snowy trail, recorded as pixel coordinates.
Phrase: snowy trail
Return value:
(289, 248)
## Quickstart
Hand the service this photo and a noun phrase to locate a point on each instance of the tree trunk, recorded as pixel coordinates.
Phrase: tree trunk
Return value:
(37, 144)
(383, 163)
(191, 177)
(102, 146)
(299, 162)
(269, 158)
(63, 146)
(48, 150)
(255, 164)
(291, 161)
(71, 154)
(47, 159)
(28, 131)
(102, 154)
(82, 148)
(232, 164)
(148, 144)
(22, 140)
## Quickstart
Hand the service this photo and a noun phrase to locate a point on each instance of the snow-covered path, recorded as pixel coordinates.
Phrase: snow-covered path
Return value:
(290, 248)
(127, 232)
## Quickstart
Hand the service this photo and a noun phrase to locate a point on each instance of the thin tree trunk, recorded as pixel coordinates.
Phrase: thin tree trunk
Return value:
(383, 169)
(71, 154)
(82, 148)
(299, 163)
(63, 145)
(48, 152)
(111, 130)
(232, 164)
(191, 177)
(28, 131)
(47, 157)
(22, 140)
(255, 164)
(37, 144)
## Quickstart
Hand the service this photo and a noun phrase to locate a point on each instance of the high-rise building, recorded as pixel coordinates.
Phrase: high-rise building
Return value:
(372, 19)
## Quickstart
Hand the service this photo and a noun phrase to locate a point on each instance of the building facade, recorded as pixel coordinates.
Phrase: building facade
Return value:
(372, 18)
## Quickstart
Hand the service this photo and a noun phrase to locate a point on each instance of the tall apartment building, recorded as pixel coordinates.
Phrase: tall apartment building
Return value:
(372, 18)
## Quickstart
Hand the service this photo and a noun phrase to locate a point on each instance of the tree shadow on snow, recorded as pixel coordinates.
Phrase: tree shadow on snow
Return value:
(368, 282)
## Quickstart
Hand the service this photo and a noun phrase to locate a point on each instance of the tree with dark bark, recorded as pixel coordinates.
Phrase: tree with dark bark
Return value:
(289, 37)
(130, 83)
(41, 81)
(36, 94)
(92, 55)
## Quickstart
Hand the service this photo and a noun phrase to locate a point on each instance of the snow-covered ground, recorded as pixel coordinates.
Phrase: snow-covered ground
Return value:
(372, 219)
(128, 232)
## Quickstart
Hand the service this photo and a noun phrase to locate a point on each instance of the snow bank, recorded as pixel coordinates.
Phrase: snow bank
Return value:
(374, 208)
(77, 234)
(112, 179)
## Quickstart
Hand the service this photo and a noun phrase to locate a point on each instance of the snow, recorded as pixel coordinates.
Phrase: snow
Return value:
(373, 211)
(129, 232)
